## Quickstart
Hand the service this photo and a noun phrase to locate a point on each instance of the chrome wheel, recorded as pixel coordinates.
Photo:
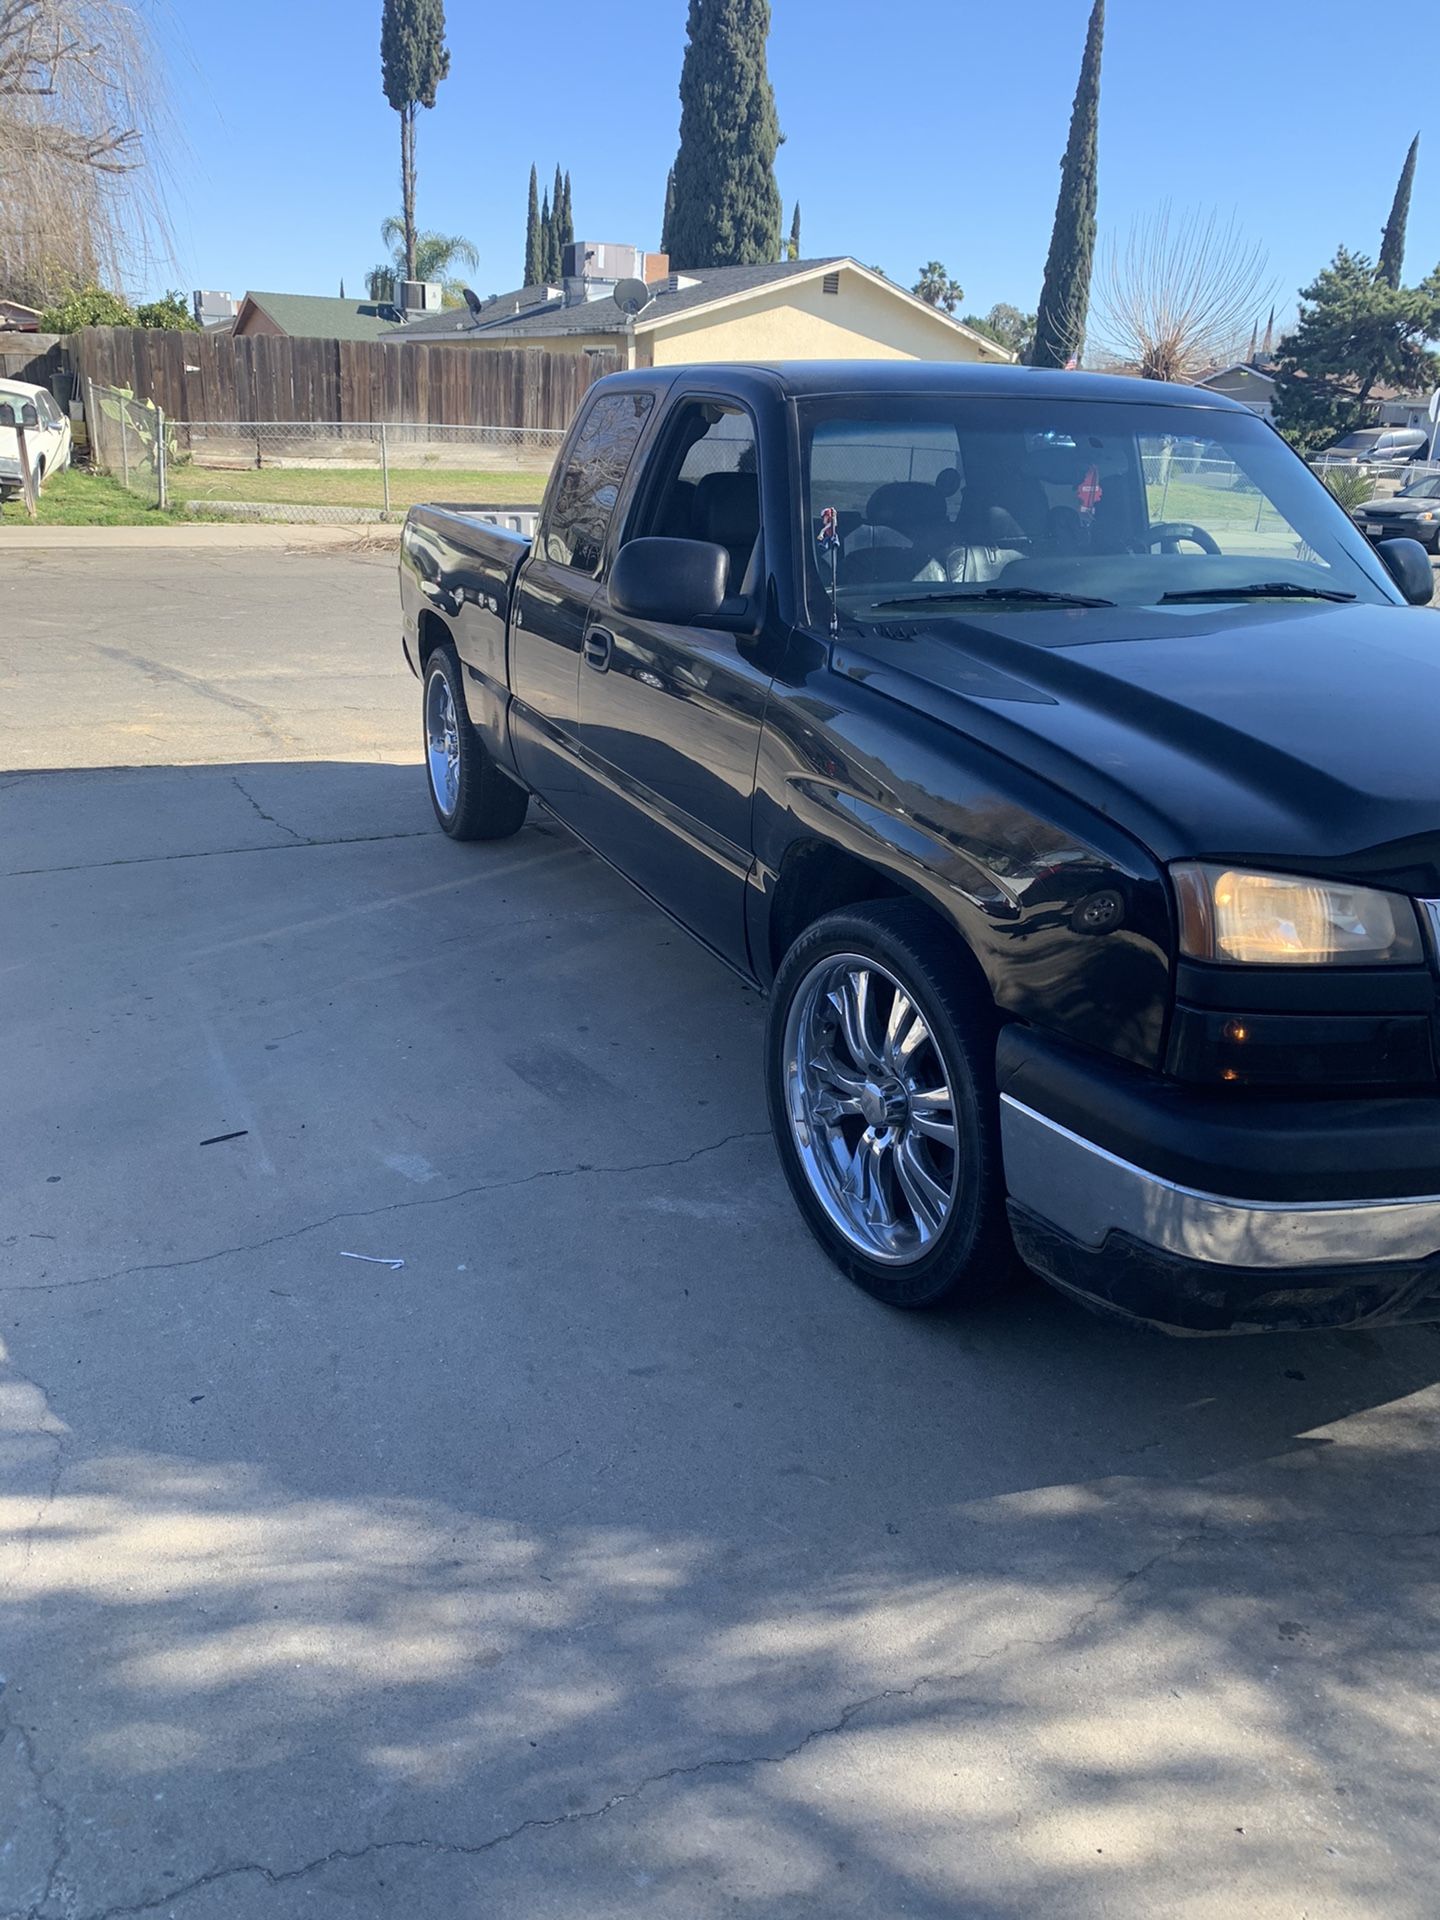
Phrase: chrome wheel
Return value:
(867, 1094)
(442, 743)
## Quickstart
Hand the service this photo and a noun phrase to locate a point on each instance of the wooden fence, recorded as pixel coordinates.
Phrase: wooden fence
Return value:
(200, 376)
(35, 357)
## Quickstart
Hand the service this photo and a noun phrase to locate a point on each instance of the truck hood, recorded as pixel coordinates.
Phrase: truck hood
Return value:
(1306, 733)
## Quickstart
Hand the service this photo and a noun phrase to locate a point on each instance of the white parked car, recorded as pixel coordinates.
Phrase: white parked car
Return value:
(48, 444)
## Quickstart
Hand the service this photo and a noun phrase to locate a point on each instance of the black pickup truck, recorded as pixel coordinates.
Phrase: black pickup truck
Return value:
(1051, 750)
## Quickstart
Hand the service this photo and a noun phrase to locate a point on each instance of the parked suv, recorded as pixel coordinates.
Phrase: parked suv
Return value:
(1373, 446)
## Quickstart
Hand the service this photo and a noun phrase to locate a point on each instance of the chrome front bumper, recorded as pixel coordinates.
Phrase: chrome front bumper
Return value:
(1194, 1212)
(1090, 1194)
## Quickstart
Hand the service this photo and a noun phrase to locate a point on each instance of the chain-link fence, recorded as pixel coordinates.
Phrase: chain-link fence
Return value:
(1385, 477)
(313, 470)
(354, 470)
(128, 440)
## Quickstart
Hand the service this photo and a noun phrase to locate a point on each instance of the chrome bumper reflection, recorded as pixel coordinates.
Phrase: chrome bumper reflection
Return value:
(1088, 1193)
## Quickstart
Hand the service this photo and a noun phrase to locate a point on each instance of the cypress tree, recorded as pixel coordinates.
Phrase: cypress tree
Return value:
(532, 233)
(668, 218)
(567, 225)
(1065, 296)
(727, 206)
(1392, 241)
(557, 225)
(793, 249)
(547, 243)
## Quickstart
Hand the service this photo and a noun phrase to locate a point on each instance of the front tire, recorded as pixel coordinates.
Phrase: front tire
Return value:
(472, 798)
(879, 1066)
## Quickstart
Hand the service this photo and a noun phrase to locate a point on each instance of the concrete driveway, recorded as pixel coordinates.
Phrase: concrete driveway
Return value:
(611, 1557)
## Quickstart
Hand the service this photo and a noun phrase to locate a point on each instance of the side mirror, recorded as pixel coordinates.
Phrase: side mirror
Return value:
(1408, 565)
(679, 582)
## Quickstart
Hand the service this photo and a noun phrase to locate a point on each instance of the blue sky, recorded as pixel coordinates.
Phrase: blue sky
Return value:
(916, 129)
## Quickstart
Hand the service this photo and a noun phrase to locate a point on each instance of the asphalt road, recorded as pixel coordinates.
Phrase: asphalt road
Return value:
(611, 1557)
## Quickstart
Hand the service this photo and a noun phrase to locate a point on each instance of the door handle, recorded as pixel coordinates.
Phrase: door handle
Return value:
(599, 644)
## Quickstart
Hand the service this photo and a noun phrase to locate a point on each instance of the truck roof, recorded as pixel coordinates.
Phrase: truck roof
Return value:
(813, 377)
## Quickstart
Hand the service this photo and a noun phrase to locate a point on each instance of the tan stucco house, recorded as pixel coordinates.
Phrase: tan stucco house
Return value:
(832, 309)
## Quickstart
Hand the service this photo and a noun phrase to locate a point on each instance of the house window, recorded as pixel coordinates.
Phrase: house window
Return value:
(831, 283)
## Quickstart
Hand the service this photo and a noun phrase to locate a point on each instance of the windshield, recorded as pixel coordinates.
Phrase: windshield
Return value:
(1005, 503)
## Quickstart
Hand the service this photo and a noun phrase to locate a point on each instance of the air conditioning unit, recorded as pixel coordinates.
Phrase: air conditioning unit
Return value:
(421, 296)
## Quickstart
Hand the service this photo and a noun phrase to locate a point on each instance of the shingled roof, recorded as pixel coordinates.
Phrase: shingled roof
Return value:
(317, 316)
(540, 313)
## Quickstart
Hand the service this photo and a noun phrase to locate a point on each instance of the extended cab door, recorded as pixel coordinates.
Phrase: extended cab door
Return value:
(670, 716)
(555, 588)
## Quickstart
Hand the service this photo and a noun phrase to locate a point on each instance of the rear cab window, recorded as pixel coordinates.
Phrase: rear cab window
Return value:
(587, 487)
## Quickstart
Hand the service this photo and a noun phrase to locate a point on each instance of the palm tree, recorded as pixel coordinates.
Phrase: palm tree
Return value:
(436, 254)
(936, 288)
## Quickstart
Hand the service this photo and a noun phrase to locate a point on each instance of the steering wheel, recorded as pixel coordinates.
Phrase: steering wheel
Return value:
(1167, 535)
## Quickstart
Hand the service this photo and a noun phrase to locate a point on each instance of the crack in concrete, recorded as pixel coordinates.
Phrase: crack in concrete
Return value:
(59, 1817)
(393, 1206)
(214, 853)
(283, 1876)
(245, 794)
(159, 673)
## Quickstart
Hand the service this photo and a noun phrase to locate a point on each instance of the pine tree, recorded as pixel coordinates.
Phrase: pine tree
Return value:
(668, 219)
(413, 62)
(1356, 332)
(1065, 295)
(1392, 243)
(727, 206)
(547, 244)
(532, 233)
(792, 251)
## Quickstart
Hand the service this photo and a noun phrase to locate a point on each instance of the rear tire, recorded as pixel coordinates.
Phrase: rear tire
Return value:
(472, 798)
(883, 1105)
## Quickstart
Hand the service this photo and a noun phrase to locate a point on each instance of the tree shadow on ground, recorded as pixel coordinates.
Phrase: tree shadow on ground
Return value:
(614, 1557)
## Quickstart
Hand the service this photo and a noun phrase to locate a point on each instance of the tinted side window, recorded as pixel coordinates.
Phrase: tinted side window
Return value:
(590, 483)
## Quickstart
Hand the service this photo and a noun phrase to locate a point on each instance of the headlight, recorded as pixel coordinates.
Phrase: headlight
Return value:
(1286, 920)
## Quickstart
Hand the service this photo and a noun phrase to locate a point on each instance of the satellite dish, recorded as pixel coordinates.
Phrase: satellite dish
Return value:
(472, 299)
(632, 296)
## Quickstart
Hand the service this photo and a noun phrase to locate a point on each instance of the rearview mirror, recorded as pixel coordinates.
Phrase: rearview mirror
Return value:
(1408, 565)
(678, 582)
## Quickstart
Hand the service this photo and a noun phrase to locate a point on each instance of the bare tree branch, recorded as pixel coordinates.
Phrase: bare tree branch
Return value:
(81, 115)
(1183, 293)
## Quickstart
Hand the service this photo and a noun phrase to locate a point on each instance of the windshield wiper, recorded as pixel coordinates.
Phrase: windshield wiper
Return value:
(1040, 594)
(1260, 590)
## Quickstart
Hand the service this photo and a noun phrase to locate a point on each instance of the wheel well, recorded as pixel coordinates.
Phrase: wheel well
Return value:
(815, 879)
(431, 633)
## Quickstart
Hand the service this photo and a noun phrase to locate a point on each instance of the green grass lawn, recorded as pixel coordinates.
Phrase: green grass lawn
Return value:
(356, 486)
(79, 498)
(1227, 513)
